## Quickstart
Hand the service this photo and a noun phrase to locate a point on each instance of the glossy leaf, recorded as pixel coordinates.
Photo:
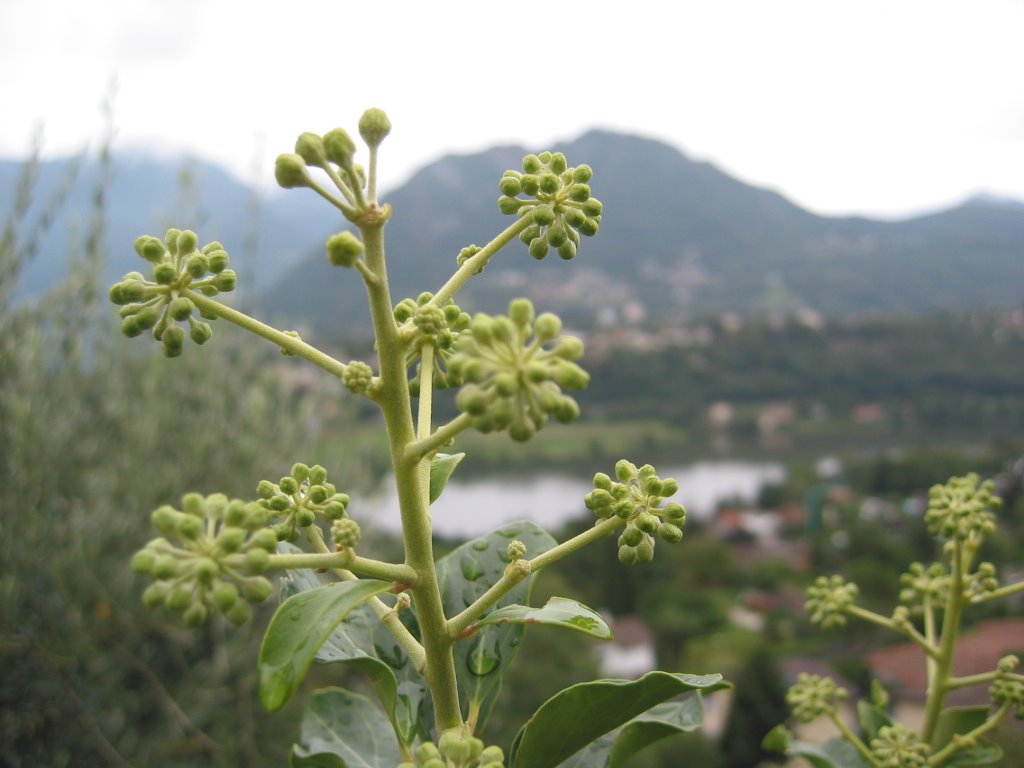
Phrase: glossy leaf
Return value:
(300, 626)
(576, 716)
(664, 720)
(464, 575)
(361, 642)
(557, 612)
(835, 753)
(341, 729)
(872, 718)
(961, 720)
(441, 468)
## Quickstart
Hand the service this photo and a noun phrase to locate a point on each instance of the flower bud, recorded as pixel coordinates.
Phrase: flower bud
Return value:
(147, 317)
(625, 470)
(631, 536)
(238, 613)
(197, 265)
(226, 280)
(164, 273)
(567, 251)
(190, 527)
(310, 148)
(258, 560)
(196, 614)
(143, 561)
(186, 242)
(289, 485)
(627, 555)
(231, 539)
(256, 589)
(206, 570)
(217, 260)
(339, 147)
(181, 308)
(225, 595)
(150, 248)
(374, 126)
(165, 519)
(670, 533)
(290, 171)
(200, 332)
(344, 249)
(539, 248)
(173, 341)
(645, 550)
(531, 164)
(155, 595)
(180, 597)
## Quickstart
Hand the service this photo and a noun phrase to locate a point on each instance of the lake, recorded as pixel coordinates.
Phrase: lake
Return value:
(480, 505)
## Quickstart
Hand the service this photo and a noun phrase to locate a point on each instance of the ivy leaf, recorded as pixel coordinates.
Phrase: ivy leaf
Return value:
(662, 721)
(464, 575)
(441, 468)
(835, 753)
(557, 612)
(341, 729)
(576, 716)
(298, 628)
(872, 718)
(362, 642)
(961, 720)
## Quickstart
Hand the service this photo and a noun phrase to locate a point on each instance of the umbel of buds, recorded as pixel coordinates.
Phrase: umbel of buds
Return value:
(636, 496)
(440, 327)
(456, 749)
(962, 508)
(223, 547)
(515, 367)
(159, 304)
(813, 696)
(298, 498)
(558, 203)
(828, 599)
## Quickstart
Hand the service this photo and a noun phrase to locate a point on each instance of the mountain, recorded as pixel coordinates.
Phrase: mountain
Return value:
(147, 195)
(679, 238)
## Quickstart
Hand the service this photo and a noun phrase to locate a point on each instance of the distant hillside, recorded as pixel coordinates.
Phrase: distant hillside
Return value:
(679, 238)
(147, 195)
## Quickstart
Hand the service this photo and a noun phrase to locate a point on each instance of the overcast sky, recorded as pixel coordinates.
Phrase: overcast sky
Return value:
(885, 107)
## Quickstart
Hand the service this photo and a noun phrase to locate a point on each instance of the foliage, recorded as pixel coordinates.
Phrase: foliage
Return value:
(932, 604)
(435, 635)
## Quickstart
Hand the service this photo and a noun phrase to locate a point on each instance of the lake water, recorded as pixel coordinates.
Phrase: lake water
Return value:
(480, 505)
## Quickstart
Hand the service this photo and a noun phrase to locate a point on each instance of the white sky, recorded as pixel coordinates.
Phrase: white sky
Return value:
(884, 107)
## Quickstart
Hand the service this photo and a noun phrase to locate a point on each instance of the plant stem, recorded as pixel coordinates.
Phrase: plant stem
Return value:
(477, 262)
(851, 737)
(291, 344)
(417, 449)
(995, 594)
(964, 740)
(393, 399)
(458, 624)
(374, 569)
(938, 683)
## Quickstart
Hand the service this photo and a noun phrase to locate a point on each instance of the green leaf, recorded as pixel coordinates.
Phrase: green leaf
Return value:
(341, 729)
(576, 716)
(557, 612)
(957, 720)
(464, 575)
(441, 468)
(983, 753)
(616, 746)
(835, 753)
(299, 627)
(871, 718)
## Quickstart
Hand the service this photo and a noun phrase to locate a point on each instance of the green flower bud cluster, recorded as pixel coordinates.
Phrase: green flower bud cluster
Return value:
(438, 326)
(158, 304)
(456, 749)
(962, 508)
(345, 533)
(225, 546)
(558, 204)
(515, 367)
(357, 377)
(896, 746)
(920, 583)
(1008, 688)
(334, 148)
(636, 497)
(466, 254)
(813, 696)
(982, 581)
(299, 498)
(344, 249)
(828, 599)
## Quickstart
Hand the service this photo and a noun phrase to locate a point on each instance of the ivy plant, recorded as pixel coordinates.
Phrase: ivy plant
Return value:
(432, 635)
(932, 606)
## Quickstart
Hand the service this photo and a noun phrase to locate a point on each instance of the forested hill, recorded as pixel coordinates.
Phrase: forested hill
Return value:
(679, 239)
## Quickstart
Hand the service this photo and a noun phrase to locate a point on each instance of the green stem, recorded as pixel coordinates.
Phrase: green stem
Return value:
(963, 682)
(458, 624)
(426, 404)
(963, 741)
(393, 399)
(871, 616)
(387, 615)
(371, 176)
(477, 262)
(938, 683)
(290, 344)
(417, 449)
(362, 566)
(995, 594)
(851, 737)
